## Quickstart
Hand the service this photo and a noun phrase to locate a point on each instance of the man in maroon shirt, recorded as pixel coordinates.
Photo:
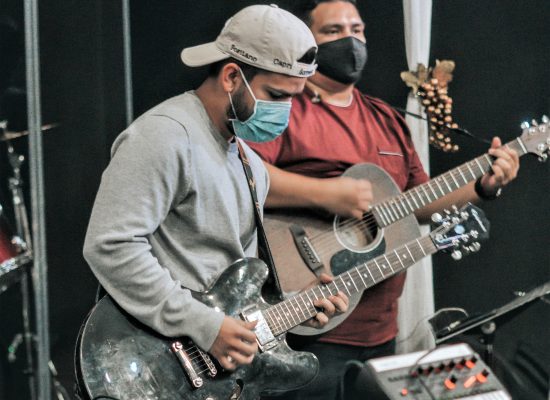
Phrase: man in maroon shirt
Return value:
(332, 127)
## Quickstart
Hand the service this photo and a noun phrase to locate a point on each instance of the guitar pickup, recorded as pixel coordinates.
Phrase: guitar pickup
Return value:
(187, 364)
(264, 336)
(306, 250)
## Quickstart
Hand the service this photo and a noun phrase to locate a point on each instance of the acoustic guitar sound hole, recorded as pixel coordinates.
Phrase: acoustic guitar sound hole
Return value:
(357, 235)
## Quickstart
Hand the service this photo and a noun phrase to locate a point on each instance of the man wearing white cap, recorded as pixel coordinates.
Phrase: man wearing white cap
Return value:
(174, 208)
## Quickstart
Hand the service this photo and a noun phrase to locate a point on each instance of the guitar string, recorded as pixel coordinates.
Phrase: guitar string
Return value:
(369, 222)
(357, 275)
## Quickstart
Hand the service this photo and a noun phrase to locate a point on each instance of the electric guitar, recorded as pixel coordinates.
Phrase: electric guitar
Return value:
(305, 242)
(119, 358)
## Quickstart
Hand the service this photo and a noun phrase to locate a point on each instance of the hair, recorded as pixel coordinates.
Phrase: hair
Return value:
(304, 8)
(249, 71)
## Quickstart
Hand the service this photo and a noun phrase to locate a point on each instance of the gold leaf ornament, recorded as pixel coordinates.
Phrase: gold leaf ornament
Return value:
(430, 85)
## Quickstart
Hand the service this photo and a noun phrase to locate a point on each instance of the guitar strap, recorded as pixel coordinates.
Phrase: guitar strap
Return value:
(273, 286)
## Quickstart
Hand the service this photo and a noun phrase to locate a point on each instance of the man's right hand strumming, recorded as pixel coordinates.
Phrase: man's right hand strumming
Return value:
(236, 343)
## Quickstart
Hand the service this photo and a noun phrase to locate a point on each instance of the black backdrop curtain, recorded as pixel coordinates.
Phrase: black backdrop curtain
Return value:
(501, 79)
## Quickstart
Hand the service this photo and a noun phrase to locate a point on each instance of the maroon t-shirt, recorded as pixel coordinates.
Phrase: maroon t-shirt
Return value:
(323, 141)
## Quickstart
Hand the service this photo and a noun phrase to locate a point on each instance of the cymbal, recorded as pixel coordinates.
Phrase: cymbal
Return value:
(9, 135)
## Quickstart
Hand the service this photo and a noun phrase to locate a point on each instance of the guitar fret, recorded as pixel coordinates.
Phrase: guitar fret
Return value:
(327, 287)
(352, 281)
(446, 183)
(433, 191)
(285, 314)
(290, 313)
(392, 205)
(370, 273)
(488, 160)
(403, 206)
(344, 284)
(298, 308)
(521, 145)
(399, 258)
(471, 172)
(426, 193)
(386, 212)
(281, 316)
(421, 248)
(270, 321)
(389, 263)
(360, 276)
(381, 215)
(479, 166)
(376, 263)
(412, 257)
(454, 179)
(462, 175)
(309, 307)
(408, 202)
(398, 208)
(414, 200)
(439, 186)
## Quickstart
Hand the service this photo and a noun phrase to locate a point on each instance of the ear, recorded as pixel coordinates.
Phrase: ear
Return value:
(228, 77)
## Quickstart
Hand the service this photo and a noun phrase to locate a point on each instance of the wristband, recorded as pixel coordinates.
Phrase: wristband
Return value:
(481, 192)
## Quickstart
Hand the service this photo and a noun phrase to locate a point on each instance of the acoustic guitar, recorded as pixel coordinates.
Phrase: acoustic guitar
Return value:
(305, 242)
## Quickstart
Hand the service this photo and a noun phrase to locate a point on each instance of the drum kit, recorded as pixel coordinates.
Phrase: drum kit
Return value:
(16, 259)
(15, 249)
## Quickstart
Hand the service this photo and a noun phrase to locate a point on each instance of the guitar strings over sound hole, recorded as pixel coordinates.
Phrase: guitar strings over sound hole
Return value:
(357, 235)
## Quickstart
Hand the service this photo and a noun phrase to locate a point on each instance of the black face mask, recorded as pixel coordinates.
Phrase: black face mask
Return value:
(342, 60)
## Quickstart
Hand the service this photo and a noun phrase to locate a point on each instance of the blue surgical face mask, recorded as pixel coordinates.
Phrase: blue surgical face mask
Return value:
(267, 122)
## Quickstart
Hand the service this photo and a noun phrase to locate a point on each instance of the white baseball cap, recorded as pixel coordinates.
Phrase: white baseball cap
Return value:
(263, 36)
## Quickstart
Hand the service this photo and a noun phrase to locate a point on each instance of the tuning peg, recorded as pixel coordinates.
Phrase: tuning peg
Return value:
(534, 122)
(456, 255)
(545, 119)
(543, 157)
(525, 125)
(474, 247)
(437, 218)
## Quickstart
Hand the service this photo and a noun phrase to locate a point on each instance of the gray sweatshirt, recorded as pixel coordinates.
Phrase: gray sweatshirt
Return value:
(172, 212)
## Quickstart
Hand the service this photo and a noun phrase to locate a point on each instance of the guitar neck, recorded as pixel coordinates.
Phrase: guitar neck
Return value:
(298, 309)
(400, 206)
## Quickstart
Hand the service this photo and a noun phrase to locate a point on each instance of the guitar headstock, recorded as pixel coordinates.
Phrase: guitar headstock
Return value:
(459, 231)
(535, 137)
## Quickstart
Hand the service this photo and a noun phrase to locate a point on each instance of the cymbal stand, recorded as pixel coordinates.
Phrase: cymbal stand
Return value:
(23, 231)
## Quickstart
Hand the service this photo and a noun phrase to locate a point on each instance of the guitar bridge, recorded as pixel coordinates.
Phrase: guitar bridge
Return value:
(306, 250)
(187, 364)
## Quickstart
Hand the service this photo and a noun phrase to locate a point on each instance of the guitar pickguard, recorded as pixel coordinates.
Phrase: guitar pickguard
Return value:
(344, 260)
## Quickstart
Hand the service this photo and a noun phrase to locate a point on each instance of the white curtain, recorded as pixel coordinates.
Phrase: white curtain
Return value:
(416, 304)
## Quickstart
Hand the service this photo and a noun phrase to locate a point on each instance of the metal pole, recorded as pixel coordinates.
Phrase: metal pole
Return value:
(127, 38)
(40, 269)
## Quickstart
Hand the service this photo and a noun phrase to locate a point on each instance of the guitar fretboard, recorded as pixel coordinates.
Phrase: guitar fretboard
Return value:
(402, 205)
(298, 309)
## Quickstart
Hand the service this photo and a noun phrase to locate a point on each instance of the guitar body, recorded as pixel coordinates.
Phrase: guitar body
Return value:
(119, 357)
(339, 245)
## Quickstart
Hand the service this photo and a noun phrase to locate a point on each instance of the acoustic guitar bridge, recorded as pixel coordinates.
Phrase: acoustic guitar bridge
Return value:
(306, 250)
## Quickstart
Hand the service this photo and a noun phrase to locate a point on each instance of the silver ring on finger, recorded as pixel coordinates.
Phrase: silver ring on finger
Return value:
(230, 359)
